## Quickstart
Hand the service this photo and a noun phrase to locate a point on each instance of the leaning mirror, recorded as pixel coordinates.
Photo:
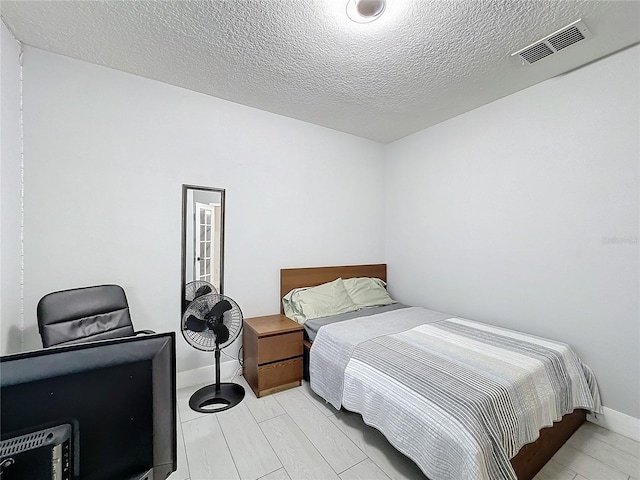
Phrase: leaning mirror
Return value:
(202, 238)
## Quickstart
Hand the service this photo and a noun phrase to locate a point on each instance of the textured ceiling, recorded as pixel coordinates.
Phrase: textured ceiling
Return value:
(419, 64)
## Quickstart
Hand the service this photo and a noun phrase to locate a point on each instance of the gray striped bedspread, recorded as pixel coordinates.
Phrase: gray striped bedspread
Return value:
(458, 397)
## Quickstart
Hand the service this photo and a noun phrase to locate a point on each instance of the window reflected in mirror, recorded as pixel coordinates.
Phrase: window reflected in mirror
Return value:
(202, 237)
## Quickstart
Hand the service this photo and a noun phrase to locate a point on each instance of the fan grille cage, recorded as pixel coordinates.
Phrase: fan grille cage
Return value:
(191, 288)
(206, 340)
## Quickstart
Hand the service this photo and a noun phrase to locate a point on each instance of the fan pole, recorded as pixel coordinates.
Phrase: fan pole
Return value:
(217, 367)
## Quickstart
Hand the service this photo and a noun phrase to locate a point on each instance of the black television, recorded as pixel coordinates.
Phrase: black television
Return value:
(94, 411)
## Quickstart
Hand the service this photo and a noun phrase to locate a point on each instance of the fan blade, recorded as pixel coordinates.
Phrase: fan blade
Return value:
(195, 324)
(218, 310)
(221, 331)
(203, 290)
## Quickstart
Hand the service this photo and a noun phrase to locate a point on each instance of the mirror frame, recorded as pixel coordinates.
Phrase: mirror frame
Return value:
(183, 272)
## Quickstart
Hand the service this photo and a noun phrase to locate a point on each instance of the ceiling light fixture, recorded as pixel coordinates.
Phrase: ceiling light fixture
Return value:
(365, 11)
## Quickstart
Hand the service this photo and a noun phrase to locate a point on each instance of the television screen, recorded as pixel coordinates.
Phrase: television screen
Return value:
(100, 410)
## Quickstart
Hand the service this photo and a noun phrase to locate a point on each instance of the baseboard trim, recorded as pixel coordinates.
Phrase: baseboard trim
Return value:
(207, 374)
(618, 422)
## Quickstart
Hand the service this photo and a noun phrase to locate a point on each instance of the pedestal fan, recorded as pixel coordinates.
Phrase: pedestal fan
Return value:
(210, 323)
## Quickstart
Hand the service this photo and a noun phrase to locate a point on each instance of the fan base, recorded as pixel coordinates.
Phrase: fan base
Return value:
(210, 400)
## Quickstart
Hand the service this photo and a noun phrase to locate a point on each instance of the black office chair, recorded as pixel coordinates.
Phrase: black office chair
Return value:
(84, 315)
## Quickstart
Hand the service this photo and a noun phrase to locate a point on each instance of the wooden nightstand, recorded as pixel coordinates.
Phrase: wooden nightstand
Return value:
(272, 347)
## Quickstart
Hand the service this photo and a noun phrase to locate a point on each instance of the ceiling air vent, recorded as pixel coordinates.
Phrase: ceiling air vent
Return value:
(566, 36)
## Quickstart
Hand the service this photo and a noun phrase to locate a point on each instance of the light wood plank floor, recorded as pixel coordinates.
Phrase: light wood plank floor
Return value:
(295, 435)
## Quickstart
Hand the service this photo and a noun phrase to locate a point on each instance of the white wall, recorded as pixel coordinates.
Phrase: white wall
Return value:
(10, 190)
(524, 213)
(106, 154)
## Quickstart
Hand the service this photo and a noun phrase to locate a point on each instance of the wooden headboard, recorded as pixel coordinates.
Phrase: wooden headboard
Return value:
(291, 278)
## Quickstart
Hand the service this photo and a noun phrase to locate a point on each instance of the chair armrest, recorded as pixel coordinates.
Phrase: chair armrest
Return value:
(145, 332)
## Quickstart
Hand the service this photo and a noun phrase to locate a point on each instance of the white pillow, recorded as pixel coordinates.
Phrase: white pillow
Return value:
(368, 292)
(328, 299)
(290, 306)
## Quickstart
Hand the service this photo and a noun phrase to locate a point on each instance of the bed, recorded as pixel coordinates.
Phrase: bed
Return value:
(361, 384)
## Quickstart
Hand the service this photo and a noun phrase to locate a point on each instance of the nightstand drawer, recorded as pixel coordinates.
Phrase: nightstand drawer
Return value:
(279, 373)
(278, 347)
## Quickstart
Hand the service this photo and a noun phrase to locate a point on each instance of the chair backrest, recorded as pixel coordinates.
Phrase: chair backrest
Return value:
(84, 315)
